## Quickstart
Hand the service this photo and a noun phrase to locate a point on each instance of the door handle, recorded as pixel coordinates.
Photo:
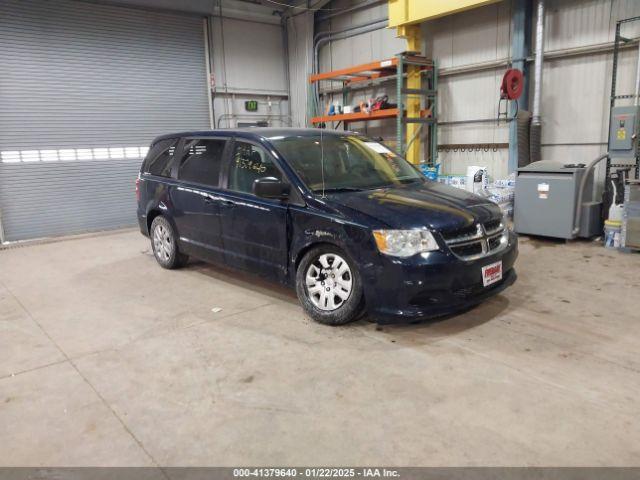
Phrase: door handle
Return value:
(228, 203)
(208, 201)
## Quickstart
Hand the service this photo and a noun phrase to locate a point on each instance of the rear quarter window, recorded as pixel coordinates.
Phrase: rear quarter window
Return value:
(160, 156)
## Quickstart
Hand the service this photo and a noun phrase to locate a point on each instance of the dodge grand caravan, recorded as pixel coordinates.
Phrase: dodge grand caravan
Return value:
(343, 219)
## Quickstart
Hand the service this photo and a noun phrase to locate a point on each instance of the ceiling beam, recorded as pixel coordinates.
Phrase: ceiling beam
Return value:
(408, 12)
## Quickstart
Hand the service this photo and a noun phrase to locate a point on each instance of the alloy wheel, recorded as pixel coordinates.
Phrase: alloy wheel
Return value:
(163, 242)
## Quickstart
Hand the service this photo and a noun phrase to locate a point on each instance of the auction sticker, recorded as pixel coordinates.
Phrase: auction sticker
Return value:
(491, 273)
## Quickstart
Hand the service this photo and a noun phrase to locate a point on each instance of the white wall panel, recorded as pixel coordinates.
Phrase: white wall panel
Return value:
(360, 48)
(249, 57)
(471, 96)
(575, 99)
(457, 162)
(231, 8)
(229, 110)
(574, 23)
(300, 61)
(575, 103)
(248, 64)
(480, 35)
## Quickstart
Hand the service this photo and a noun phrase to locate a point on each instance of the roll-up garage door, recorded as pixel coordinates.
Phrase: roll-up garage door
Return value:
(84, 88)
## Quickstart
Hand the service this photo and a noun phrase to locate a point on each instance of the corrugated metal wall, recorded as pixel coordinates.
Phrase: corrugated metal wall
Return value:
(575, 104)
(377, 45)
(300, 40)
(84, 89)
(575, 88)
(460, 42)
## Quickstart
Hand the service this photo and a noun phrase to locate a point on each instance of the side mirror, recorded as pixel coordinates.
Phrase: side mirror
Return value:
(270, 187)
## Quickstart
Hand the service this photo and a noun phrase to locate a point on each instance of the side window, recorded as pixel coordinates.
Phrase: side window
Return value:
(201, 161)
(158, 161)
(249, 163)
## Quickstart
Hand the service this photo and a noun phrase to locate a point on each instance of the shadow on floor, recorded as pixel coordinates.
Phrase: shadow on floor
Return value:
(245, 280)
(537, 241)
(428, 330)
(431, 329)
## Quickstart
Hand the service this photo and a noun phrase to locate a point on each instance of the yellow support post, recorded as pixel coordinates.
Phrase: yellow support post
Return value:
(413, 35)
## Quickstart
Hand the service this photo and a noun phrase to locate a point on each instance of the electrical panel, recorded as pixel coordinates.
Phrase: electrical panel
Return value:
(623, 133)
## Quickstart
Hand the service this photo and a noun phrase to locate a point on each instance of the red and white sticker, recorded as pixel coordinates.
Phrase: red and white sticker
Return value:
(491, 273)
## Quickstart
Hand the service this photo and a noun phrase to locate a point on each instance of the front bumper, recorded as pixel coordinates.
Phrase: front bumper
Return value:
(431, 285)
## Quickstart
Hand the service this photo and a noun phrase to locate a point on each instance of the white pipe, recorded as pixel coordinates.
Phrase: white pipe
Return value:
(1, 230)
(637, 97)
(539, 60)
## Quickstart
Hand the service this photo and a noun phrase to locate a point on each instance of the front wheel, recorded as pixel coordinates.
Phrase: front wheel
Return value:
(328, 286)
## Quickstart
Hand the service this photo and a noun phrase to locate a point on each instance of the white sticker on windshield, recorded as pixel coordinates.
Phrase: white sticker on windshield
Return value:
(378, 147)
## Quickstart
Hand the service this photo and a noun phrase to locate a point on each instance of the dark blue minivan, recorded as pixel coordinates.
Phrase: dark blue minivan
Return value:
(350, 224)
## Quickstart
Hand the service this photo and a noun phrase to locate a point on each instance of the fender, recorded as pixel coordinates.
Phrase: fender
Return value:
(311, 229)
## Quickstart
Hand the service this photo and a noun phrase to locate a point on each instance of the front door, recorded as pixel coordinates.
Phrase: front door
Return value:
(254, 229)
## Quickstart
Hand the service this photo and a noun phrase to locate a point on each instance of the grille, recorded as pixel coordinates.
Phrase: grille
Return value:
(476, 241)
(467, 250)
(494, 242)
(473, 290)
(464, 293)
(493, 226)
(461, 232)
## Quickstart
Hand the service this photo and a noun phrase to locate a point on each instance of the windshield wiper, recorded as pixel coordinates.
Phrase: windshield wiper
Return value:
(337, 190)
(410, 180)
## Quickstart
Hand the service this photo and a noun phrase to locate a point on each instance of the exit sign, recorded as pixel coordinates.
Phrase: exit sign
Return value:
(251, 105)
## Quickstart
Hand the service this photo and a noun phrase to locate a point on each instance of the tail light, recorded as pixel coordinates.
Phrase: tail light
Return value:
(138, 189)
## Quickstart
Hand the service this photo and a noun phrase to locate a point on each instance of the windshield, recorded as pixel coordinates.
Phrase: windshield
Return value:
(350, 162)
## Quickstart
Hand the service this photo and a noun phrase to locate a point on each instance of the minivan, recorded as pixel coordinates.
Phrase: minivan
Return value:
(343, 219)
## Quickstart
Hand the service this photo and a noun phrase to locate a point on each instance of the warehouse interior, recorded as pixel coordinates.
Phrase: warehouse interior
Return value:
(108, 360)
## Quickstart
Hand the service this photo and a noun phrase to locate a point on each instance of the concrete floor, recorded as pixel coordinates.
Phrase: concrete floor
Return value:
(107, 359)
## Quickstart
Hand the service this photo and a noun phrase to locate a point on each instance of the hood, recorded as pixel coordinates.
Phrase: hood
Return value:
(430, 204)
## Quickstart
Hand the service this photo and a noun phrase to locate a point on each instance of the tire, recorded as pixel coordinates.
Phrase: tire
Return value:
(165, 247)
(331, 300)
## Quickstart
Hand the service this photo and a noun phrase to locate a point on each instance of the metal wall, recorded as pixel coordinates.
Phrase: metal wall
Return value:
(299, 30)
(84, 89)
(472, 49)
(363, 48)
(248, 63)
(575, 103)
(462, 44)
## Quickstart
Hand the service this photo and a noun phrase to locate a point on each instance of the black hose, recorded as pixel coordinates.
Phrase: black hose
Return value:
(535, 141)
(523, 121)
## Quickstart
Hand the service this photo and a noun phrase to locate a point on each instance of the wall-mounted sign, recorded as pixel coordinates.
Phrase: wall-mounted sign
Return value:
(251, 105)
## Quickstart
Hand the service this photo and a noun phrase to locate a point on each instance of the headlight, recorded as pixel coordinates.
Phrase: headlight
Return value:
(506, 222)
(404, 243)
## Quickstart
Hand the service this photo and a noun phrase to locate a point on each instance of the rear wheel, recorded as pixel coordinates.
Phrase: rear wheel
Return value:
(164, 244)
(328, 286)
